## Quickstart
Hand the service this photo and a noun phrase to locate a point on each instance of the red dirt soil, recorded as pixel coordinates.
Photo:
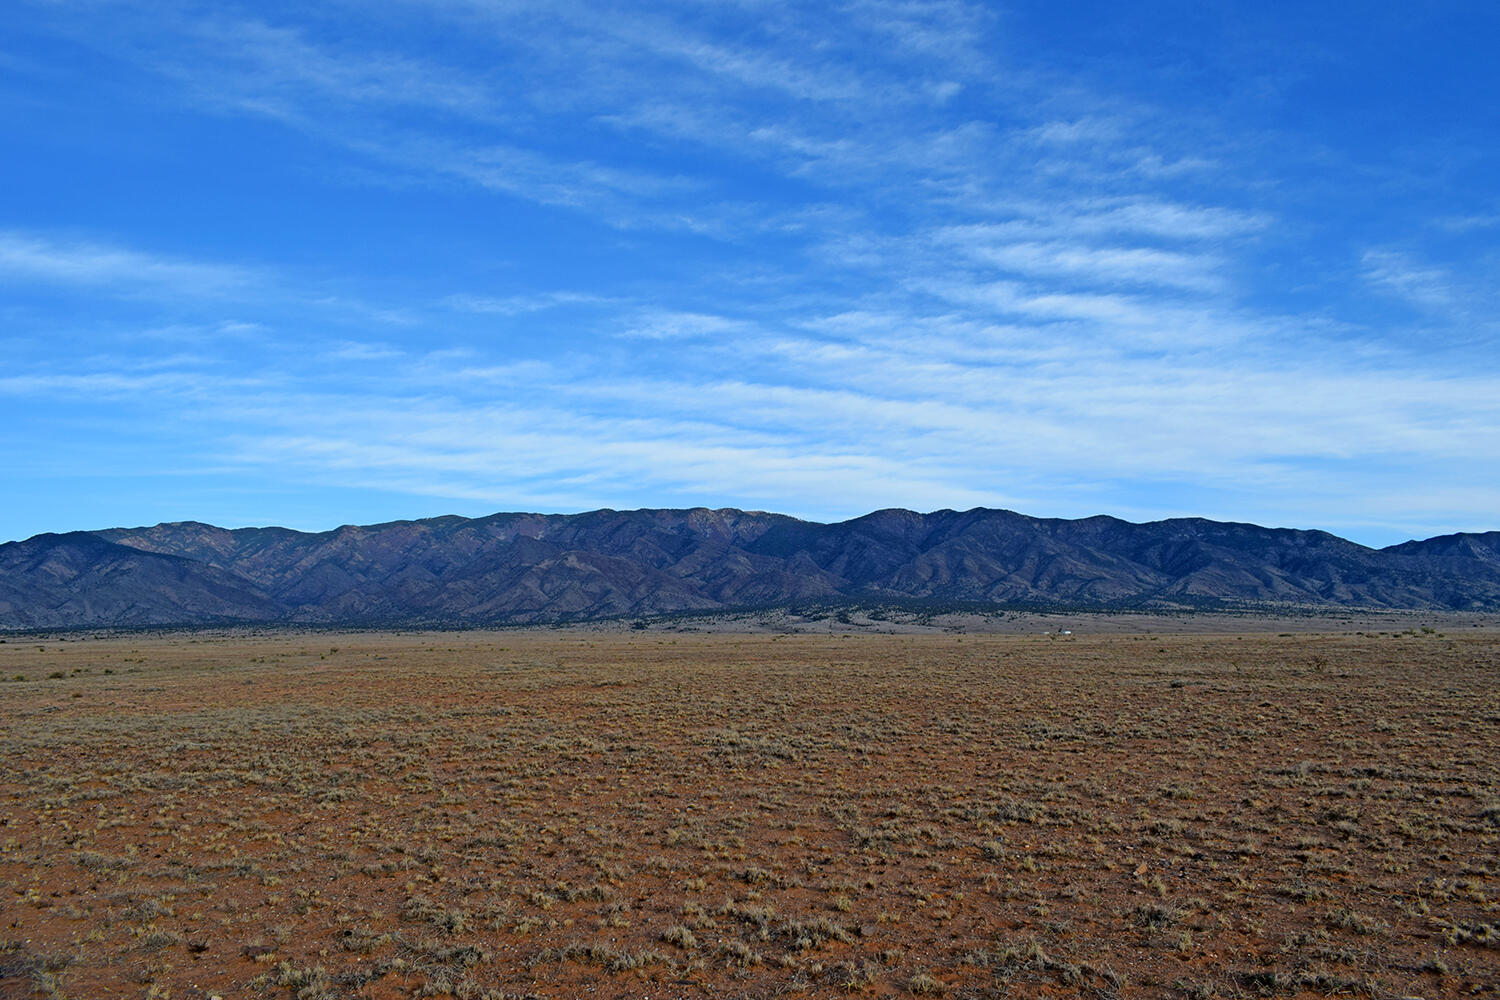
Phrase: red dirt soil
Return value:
(555, 814)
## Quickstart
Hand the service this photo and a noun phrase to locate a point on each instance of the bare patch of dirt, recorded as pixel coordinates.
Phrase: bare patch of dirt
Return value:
(564, 814)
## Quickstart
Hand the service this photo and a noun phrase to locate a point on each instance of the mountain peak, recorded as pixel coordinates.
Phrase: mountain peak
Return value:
(522, 567)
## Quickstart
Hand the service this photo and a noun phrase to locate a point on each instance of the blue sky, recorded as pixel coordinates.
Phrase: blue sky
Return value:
(347, 262)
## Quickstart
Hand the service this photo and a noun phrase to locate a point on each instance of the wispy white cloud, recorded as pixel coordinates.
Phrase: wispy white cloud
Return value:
(520, 305)
(250, 65)
(33, 257)
(745, 67)
(1093, 217)
(912, 422)
(948, 32)
(349, 350)
(1107, 265)
(163, 386)
(546, 179)
(670, 325)
(1467, 223)
(1400, 275)
(1082, 131)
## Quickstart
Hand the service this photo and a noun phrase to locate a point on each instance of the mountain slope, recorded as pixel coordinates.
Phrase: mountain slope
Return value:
(82, 579)
(542, 567)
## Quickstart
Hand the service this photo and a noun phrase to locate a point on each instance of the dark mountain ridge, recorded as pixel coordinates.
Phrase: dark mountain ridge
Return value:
(518, 568)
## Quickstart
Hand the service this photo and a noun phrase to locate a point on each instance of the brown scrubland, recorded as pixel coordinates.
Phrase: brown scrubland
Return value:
(553, 813)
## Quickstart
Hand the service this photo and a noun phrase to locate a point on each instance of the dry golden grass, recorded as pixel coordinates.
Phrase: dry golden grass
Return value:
(560, 814)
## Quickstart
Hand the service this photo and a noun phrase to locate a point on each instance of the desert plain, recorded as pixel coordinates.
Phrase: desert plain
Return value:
(555, 813)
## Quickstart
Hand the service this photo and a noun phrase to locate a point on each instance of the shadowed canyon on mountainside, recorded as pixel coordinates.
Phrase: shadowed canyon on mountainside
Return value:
(523, 568)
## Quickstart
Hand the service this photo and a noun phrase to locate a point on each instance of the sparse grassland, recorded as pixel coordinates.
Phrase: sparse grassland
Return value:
(556, 814)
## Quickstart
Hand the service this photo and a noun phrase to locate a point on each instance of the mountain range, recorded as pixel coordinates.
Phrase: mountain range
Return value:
(525, 568)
